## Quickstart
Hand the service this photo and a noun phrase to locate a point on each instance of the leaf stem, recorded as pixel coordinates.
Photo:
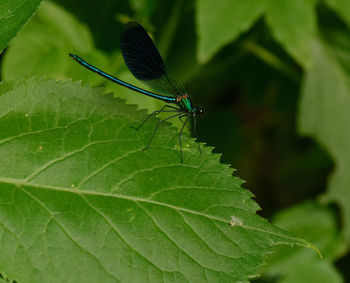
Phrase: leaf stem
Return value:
(271, 59)
(168, 32)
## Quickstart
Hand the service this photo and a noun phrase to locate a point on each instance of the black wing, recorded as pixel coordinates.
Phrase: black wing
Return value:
(144, 61)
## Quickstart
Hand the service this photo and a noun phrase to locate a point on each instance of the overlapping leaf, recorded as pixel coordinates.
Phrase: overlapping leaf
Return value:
(13, 15)
(293, 24)
(220, 22)
(80, 200)
(43, 46)
(301, 265)
(342, 8)
(324, 114)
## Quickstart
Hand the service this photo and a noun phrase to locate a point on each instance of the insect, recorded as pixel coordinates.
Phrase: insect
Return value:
(146, 64)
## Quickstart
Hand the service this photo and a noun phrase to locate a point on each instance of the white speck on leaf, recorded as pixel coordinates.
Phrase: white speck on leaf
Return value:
(235, 221)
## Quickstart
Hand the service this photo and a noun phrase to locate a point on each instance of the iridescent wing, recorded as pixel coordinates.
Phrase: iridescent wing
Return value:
(144, 61)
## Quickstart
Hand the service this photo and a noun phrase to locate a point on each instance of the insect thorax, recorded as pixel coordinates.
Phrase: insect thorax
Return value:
(184, 102)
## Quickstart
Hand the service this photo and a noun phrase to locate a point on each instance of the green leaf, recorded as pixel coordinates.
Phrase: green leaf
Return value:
(3, 279)
(143, 9)
(43, 46)
(319, 228)
(339, 42)
(324, 114)
(13, 15)
(293, 24)
(342, 7)
(313, 272)
(167, 37)
(81, 201)
(220, 22)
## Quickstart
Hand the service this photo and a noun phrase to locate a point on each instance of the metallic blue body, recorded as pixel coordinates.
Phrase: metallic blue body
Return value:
(125, 84)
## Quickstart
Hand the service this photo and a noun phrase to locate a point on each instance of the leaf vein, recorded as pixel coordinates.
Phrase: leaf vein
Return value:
(149, 169)
(66, 232)
(110, 223)
(61, 158)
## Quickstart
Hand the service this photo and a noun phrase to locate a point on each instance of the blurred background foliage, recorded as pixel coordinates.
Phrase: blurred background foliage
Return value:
(273, 76)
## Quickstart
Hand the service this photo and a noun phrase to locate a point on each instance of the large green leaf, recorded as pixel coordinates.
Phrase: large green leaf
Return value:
(293, 24)
(220, 22)
(81, 201)
(13, 15)
(301, 265)
(342, 7)
(324, 114)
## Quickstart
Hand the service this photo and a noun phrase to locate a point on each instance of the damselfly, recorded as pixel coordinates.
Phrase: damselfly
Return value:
(145, 63)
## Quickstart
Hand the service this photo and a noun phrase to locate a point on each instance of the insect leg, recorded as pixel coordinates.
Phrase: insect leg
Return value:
(156, 112)
(157, 126)
(188, 126)
(180, 133)
(195, 134)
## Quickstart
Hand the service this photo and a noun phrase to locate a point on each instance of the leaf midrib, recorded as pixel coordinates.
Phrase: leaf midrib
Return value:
(137, 200)
(18, 182)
